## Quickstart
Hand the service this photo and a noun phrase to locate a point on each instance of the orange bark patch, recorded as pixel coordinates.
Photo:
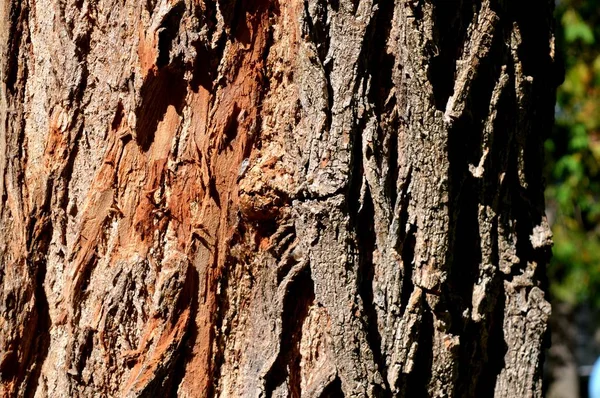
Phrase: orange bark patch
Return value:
(222, 138)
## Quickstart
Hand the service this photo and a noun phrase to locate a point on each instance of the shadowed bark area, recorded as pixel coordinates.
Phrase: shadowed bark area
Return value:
(263, 198)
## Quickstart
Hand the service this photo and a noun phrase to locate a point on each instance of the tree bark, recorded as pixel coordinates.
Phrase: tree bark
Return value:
(261, 198)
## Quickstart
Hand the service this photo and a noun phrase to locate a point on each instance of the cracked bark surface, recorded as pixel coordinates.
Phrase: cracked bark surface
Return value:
(262, 198)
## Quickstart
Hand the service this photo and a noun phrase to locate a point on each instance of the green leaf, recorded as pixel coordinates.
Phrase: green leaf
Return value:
(579, 138)
(576, 28)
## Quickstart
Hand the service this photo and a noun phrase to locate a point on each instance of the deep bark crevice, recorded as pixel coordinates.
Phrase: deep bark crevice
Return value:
(317, 27)
(41, 342)
(79, 289)
(161, 89)
(417, 382)
(366, 242)
(379, 66)
(452, 19)
(205, 66)
(534, 29)
(188, 342)
(18, 16)
(218, 339)
(333, 390)
(167, 32)
(298, 299)
(465, 253)
(230, 131)
(493, 349)
(37, 345)
(391, 182)
(466, 145)
(407, 252)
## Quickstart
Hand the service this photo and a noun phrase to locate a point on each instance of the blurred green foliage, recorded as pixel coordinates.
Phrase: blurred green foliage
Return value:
(573, 157)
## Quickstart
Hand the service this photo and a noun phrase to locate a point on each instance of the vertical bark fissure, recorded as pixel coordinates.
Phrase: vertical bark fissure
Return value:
(299, 296)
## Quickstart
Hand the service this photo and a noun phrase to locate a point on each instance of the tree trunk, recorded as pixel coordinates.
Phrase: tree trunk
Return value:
(273, 198)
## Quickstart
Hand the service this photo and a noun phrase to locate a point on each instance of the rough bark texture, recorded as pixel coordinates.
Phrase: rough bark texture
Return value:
(252, 198)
